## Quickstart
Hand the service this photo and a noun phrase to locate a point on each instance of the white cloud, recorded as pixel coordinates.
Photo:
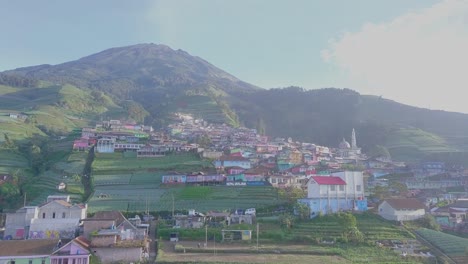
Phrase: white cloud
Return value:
(419, 58)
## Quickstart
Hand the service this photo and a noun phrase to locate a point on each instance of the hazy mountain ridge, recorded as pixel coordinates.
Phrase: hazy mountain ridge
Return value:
(163, 81)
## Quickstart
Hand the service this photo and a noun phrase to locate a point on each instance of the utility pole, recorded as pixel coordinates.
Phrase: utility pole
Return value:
(24, 203)
(173, 219)
(206, 235)
(257, 234)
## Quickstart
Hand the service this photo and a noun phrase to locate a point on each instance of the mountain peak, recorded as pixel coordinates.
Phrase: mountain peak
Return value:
(139, 66)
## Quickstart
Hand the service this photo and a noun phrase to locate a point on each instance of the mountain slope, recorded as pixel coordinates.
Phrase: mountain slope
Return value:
(164, 81)
(154, 75)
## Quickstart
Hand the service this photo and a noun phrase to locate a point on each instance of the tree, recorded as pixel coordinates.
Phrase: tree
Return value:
(379, 151)
(349, 223)
(428, 221)
(291, 194)
(204, 141)
(302, 210)
(286, 220)
(8, 143)
(261, 127)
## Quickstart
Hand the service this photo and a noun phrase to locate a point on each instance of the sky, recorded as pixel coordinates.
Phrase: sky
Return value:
(411, 51)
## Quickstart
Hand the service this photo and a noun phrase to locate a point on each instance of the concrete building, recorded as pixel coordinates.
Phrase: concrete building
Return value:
(340, 191)
(401, 209)
(55, 219)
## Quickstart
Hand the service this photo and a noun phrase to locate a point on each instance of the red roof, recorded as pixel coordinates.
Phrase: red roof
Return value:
(328, 180)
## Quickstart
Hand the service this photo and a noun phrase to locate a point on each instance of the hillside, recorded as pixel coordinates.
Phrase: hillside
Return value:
(151, 81)
(153, 75)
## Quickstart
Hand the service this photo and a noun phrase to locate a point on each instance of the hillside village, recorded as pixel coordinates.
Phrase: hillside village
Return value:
(331, 180)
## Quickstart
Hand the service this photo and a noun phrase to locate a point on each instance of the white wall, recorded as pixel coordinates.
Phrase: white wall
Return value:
(389, 213)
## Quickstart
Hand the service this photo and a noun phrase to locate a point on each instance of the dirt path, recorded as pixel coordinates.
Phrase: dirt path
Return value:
(152, 236)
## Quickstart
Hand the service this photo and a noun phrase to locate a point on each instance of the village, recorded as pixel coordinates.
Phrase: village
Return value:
(327, 181)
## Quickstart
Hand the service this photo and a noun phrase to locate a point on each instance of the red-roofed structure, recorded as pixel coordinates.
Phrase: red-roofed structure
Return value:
(328, 180)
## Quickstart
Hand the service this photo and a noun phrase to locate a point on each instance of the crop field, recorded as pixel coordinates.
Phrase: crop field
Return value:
(327, 227)
(454, 246)
(116, 162)
(74, 164)
(135, 197)
(10, 161)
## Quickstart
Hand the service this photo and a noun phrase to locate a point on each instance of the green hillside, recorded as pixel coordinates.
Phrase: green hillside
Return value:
(150, 82)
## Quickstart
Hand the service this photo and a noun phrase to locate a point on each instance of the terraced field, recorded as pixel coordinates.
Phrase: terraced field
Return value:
(327, 227)
(455, 247)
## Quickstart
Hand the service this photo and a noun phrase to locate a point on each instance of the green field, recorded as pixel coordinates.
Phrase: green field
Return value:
(134, 183)
(454, 246)
(408, 143)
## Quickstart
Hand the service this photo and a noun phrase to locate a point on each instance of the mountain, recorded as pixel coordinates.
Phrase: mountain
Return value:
(150, 82)
(159, 78)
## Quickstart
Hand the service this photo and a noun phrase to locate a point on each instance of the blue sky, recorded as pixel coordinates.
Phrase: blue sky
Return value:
(406, 50)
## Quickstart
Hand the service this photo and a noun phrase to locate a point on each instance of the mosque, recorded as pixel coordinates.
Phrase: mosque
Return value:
(348, 151)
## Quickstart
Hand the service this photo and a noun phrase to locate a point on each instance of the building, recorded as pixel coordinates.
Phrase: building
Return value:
(27, 251)
(105, 145)
(401, 209)
(113, 238)
(348, 151)
(53, 220)
(232, 161)
(340, 191)
(75, 251)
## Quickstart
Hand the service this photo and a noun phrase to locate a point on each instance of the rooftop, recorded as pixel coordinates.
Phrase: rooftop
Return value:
(27, 247)
(405, 204)
(328, 180)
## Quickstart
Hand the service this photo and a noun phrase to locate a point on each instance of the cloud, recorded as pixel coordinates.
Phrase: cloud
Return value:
(419, 58)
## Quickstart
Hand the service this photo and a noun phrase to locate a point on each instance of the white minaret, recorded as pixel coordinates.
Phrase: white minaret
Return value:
(353, 140)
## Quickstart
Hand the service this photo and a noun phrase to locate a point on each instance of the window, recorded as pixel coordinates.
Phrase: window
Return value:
(273, 180)
(53, 215)
(43, 261)
(43, 215)
(341, 188)
(84, 261)
(332, 188)
(63, 215)
(30, 261)
(12, 261)
(358, 188)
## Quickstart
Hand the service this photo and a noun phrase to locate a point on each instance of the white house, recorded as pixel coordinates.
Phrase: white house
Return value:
(401, 209)
(55, 219)
(339, 191)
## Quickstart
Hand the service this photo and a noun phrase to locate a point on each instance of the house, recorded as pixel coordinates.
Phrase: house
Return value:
(209, 154)
(81, 144)
(339, 191)
(105, 145)
(401, 209)
(27, 251)
(190, 221)
(149, 151)
(232, 161)
(451, 215)
(240, 219)
(55, 219)
(76, 251)
(115, 239)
